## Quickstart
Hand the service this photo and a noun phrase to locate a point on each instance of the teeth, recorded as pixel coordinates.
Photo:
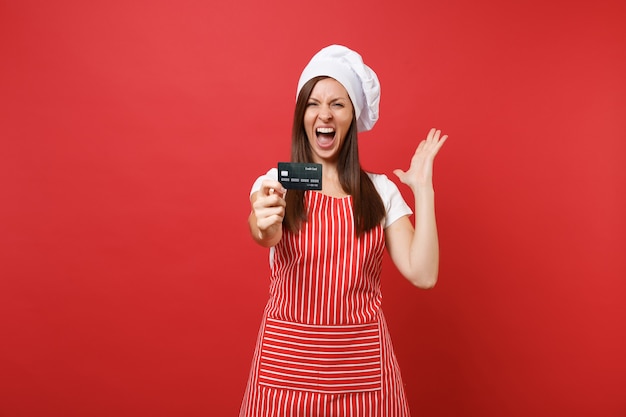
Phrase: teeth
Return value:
(325, 130)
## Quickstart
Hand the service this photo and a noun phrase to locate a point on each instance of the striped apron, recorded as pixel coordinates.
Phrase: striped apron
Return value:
(324, 347)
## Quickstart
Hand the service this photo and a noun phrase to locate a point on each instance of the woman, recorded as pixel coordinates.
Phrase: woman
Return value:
(324, 347)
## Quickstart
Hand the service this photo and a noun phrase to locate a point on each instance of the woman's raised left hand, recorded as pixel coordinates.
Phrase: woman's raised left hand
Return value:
(420, 172)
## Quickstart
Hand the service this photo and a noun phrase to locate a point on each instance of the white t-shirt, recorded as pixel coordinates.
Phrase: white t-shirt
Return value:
(395, 206)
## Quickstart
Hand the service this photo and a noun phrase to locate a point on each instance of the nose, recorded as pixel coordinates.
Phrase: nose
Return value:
(325, 114)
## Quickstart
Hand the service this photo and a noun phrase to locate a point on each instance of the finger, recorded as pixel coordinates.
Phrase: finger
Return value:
(420, 146)
(268, 222)
(269, 186)
(431, 134)
(399, 173)
(268, 216)
(282, 193)
(434, 134)
(439, 144)
(273, 200)
(271, 211)
(277, 188)
(434, 150)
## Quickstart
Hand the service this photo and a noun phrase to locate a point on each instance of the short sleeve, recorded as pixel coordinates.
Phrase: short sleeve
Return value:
(395, 206)
(272, 174)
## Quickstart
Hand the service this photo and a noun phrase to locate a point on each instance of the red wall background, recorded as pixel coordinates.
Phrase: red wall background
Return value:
(131, 132)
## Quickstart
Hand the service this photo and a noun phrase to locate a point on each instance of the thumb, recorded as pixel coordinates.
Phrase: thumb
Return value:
(399, 173)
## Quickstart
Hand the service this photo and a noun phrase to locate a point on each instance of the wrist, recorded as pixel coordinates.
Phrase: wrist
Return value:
(270, 236)
(419, 189)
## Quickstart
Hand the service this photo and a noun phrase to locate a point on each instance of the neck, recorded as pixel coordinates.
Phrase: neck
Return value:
(330, 181)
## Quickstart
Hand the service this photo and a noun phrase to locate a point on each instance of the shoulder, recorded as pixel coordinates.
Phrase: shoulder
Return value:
(383, 184)
(272, 174)
(395, 206)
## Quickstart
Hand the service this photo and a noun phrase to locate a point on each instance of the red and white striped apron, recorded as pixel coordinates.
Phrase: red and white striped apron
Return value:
(324, 348)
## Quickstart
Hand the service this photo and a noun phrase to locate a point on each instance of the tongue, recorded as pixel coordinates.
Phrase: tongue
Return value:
(325, 139)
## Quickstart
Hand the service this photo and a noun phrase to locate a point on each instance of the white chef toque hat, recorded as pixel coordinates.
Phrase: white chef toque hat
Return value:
(359, 80)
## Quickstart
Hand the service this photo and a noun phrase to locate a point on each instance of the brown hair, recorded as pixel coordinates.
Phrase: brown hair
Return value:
(369, 209)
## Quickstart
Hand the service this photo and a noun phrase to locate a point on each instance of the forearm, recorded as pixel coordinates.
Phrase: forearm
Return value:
(424, 247)
(420, 263)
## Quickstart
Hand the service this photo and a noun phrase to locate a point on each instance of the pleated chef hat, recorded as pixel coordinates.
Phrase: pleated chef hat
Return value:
(359, 80)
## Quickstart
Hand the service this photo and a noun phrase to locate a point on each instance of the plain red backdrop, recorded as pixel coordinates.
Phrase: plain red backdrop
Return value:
(131, 132)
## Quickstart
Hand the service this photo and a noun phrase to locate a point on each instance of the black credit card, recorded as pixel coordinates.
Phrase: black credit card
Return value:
(300, 176)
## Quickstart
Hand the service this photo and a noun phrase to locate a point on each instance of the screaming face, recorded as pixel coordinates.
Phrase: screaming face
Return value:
(327, 119)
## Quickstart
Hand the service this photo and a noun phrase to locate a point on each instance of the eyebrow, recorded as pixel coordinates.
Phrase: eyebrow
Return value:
(332, 100)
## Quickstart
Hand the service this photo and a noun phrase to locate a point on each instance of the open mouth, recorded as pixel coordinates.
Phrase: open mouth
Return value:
(325, 135)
